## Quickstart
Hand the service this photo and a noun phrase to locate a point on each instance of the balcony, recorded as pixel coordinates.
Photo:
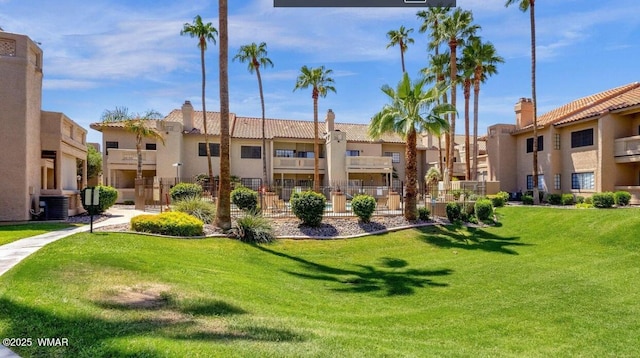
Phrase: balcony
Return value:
(130, 157)
(297, 165)
(627, 150)
(369, 165)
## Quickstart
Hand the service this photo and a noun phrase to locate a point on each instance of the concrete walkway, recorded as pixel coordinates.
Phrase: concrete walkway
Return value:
(11, 254)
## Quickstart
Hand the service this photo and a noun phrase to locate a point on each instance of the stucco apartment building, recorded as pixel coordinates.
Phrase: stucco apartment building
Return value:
(40, 149)
(589, 145)
(347, 153)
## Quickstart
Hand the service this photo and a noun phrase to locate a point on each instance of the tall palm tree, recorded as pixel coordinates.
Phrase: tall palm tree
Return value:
(485, 59)
(455, 30)
(204, 33)
(138, 124)
(320, 82)
(467, 68)
(431, 21)
(525, 5)
(437, 72)
(413, 108)
(223, 210)
(401, 38)
(256, 56)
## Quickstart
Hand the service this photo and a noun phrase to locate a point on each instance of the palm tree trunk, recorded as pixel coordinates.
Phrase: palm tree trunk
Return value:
(139, 153)
(265, 180)
(402, 57)
(316, 145)
(223, 212)
(411, 174)
(204, 116)
(467, 155)
(476, 94)
(536, 198)
(452, 124)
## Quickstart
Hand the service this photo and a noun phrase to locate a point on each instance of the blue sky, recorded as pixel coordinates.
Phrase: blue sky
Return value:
(101, 54)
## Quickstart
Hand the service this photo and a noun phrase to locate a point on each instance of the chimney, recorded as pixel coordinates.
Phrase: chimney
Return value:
(187, 116)
(329, 121)
(524, 112)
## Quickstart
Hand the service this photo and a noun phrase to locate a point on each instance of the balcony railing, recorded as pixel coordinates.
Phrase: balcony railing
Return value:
(627, 149)
(369, 164)
(298, 165)
(130, 156)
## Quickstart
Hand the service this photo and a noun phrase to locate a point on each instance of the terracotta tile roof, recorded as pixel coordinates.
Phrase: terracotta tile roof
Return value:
(591, 106)
(99, 125)
(213, 120)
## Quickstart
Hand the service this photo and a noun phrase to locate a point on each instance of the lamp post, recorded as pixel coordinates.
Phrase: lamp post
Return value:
(177, 165)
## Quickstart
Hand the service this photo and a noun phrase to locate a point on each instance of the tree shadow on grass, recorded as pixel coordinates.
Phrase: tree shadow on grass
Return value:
(391, 275)
(91, 335)
(468, 238)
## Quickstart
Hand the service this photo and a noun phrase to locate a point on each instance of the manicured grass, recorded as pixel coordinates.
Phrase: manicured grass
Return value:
(10, 233)
(545, 282)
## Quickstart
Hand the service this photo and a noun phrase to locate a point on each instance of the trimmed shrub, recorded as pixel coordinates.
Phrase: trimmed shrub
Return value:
(603, 200)
(244, 198)
(423, 213)
(554, 199)
(588, 200)
(182, 191)
(498, 200)
(584, 206)
(196, 207)
(168, 223)
(308, 207)
(253, 228)
(363, 206)
(579, 199)
(483, 209)
(527, 199)
(454, 212)
(108, 197)
(567, 199)
(622, 198)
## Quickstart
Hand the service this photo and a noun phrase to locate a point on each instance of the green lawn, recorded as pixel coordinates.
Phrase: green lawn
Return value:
(10, 233)
(545, 282)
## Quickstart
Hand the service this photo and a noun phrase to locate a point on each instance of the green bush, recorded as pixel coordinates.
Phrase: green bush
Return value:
(108, 197)
(308, 207)
(622, 198)
(554, 199)
(567, 199)
(588, 200)
(244, 198)
(363, 206)
(454, 212)
(499, 199)
(483, 209)
(584, 205)
(527, 199)
(252, 227)
(603, 200)
(168, 223)
(182, 191)
(423, 213)
(579, 199)
(196, 207)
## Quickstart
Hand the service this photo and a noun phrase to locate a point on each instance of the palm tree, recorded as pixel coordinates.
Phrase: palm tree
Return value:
(436, 73)
(255, 55)
(485, 59)
(401, 38)
(412, 109)
(138, 125)
(525, 5)
(320, 82)
(223, 210)
(455, 29)
(204, 33)
(431, 21)
(467, 68)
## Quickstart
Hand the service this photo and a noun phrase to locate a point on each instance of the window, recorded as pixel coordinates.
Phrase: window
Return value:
(214, 148)
(150, 146)
(305, 155)
(112, 145)
(395, 156)
(250, 152)
(556, 141)
(285, 153)
(582, 138)
(353, 153)
(530, 144)
(582, 181)
(556, 182)
(541, 184)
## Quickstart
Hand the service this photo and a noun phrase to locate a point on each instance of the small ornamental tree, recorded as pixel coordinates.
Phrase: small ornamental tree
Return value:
(308, 207)
(363, 206)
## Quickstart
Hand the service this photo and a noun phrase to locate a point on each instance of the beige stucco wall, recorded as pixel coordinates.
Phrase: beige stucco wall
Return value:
(501, 156)
(194, 164)
(21, 73)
